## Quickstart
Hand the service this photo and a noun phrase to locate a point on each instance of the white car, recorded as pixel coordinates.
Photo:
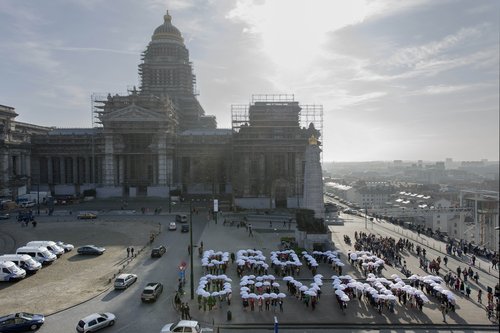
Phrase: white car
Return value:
(172, 226)
(184, 326)
(67, 247)
(95, 322)
(123, 281)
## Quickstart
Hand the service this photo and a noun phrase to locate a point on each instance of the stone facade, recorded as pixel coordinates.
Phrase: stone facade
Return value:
(158, 138)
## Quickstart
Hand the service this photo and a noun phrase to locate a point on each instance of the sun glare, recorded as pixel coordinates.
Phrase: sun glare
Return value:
(293, 32)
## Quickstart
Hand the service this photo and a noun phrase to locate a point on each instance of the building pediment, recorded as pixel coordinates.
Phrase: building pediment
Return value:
(134, 113)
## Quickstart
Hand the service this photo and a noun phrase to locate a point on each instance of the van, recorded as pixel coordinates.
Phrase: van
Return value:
(23, 261)
(10, 272)
(181, 218)
(50, 245)
(38, 253)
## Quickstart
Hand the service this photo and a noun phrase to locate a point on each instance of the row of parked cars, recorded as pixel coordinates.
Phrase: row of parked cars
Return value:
(29, 259)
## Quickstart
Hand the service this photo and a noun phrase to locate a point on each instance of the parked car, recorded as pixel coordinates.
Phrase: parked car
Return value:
(158, 251)
(67, 247)
(90, 249)
(4, 216)
(20, 322)
(185, 228)
(95, 322)
(86, 216)
(183, 326)
(123, 281)
(151, 292)
(172, 226)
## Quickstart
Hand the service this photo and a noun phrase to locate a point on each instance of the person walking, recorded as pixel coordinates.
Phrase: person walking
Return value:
(445, 259)
(189, 249)
(444, 311)
(186, 311)
(131, 251)
(479, 295)
(128, 251)
(183, 311)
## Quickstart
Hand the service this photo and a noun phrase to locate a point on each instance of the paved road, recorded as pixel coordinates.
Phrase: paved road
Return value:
(132, 314)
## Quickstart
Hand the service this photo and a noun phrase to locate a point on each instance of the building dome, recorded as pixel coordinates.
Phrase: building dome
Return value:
(167, 30)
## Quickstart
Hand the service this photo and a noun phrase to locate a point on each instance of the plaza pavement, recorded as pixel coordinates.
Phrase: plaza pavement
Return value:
(231, 239)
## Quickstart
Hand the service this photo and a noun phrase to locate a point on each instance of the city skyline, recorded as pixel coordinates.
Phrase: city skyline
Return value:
(398, 80)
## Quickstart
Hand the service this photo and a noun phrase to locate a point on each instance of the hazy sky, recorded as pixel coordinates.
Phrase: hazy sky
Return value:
(407, 80)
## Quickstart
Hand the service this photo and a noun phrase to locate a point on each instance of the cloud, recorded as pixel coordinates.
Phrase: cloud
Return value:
(93, 49)
(413, 56)
(445, 89)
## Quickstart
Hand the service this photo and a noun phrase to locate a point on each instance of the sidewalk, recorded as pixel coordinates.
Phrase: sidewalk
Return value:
(231, 239)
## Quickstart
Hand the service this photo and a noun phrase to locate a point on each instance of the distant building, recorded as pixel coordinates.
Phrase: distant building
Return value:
(484, 227)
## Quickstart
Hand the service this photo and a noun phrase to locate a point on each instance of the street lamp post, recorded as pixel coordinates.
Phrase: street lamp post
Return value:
(191, 282)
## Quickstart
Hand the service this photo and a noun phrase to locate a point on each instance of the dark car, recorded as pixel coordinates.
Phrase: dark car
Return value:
(185, 228)
(90, 249)
(4, 216)
(158, 251)
(20, 322)
(151, 292)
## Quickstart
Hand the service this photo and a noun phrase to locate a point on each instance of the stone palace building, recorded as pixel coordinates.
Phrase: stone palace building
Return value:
(158, 138)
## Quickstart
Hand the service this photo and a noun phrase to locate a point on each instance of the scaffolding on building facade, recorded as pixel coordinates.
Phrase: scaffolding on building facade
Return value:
(309, 113)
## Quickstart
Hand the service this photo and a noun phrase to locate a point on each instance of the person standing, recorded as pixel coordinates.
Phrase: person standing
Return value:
(131, 251)
(128, 251)
(186, 311)
(479, 295)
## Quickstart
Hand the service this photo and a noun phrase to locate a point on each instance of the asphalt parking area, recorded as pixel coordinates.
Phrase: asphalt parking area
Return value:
(72, 278)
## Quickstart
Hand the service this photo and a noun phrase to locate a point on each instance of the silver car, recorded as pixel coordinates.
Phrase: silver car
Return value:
(123, 281)
(95, 322)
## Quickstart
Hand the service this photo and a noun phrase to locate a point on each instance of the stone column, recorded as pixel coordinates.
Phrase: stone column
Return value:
(4, 167)
(17, 166)
(50, 171)
(22, 161)
(75, 170)
(27, 165)
(246, 174)
(262, 173)
(162, 160)
(62, 170)
(86, 168)
(121, 170)
(109, 165)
